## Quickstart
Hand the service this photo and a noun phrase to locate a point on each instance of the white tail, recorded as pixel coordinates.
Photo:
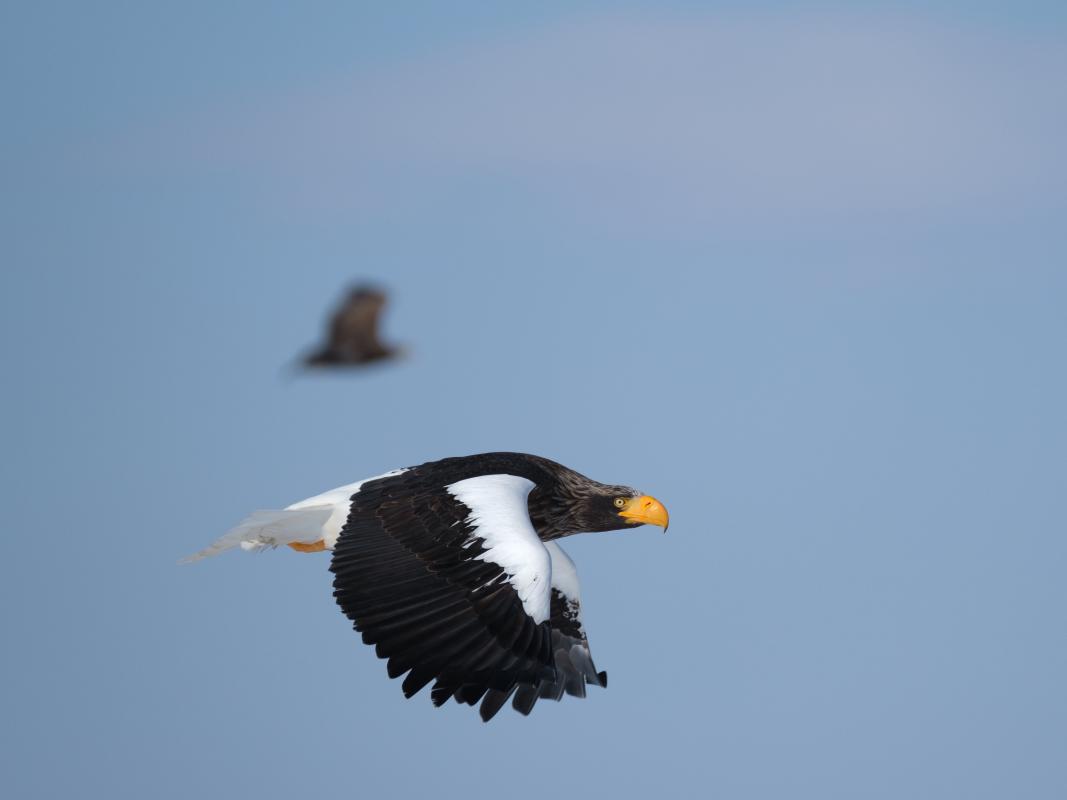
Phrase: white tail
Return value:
(317, 518)
(263, 529)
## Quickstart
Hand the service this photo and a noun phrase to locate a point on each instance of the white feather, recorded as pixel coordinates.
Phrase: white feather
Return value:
(499, 516)
(339, 500)
(564, 573)
(319, 517)
(269, 528)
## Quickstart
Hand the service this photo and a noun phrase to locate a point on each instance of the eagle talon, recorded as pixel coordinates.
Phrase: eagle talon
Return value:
(308, 547)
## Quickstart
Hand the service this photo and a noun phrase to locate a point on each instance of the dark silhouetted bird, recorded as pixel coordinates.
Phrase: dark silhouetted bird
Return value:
(353, 335)
(452, 571)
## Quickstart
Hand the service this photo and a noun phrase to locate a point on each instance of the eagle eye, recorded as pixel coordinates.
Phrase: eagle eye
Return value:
(620, 502)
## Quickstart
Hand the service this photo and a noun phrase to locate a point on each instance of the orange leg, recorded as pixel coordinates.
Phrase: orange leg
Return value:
(312, 547)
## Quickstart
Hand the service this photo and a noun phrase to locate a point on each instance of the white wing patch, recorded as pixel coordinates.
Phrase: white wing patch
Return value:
(318, 517)
(564, 573)
(501, 521)
(565, 581)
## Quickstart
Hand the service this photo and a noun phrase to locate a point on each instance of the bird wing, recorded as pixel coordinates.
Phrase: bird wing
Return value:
(354, 327)
(570, 647)
(448, 580)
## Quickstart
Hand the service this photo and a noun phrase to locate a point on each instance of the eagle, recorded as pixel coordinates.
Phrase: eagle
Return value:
(353, 333)
(452, 570)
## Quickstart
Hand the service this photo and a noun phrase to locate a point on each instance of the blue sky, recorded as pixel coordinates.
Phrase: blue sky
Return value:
(797, 272)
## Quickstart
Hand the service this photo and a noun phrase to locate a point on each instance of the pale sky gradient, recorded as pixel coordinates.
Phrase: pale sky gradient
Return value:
(800, 274)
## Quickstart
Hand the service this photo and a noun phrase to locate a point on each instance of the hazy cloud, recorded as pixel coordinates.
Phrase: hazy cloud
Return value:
(809, 119)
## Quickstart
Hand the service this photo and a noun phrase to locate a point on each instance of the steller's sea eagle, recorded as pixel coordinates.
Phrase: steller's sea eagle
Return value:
(452, 571)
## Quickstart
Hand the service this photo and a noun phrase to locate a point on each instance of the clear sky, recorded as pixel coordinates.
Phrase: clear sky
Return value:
(800, 273)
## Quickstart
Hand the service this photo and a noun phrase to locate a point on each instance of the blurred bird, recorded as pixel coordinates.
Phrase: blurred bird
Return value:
(353, 335)
(451, 570)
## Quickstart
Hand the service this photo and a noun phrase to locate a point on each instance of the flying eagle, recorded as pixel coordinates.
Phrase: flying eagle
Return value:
(452, 571)
(353, 335)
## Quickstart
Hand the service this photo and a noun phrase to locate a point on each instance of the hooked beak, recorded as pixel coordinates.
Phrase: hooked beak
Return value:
(645, 510)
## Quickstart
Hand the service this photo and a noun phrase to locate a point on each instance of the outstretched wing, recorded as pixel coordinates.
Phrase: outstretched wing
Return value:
(354, 327)
(447, 578)
(570, 647)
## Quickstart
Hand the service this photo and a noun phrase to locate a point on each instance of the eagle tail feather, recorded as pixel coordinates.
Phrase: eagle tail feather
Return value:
(270, 528)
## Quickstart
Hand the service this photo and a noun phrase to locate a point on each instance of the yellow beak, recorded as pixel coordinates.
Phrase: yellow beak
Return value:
(645, 510)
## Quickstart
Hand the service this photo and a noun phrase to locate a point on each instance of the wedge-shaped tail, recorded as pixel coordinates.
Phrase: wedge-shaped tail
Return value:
(271, 528)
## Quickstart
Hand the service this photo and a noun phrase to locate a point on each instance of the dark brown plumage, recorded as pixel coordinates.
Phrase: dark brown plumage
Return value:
(353, 334)
(417, 570)
(452, 571)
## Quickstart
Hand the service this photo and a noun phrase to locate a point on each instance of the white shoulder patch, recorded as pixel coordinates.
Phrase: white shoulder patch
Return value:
(501, 521)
